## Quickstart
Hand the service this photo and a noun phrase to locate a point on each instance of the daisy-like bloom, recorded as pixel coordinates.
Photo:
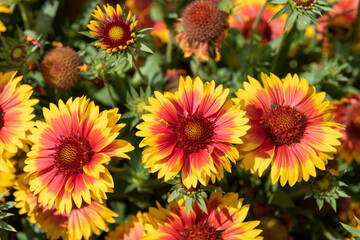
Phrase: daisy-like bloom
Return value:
(291, 128)
(192, 131)
(79, 223)
(66, 162)
(224, 221)
(160, 33)
(133, 229)
(248, 11)
(60, 68)
(339, 24)
(114, 29)
(16, 109)
(347, 111)
(4, 8)
(203, 24)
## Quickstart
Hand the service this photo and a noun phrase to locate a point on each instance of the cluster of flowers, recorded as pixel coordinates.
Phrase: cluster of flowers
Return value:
(278, 125)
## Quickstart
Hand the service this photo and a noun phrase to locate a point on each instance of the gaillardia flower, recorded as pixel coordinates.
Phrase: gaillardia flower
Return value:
(16, 109)
(114, 30)
(291, 128)
(203, 24)
(79, 223)
(347, 111)
(340, 23)
(66, 162)
(60, 68)
(192, 131)
(133, 229)
(224, 221)
(248, 11)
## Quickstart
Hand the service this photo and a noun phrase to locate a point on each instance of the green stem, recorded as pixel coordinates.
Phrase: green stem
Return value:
(116, 169)
(137, 69)
(197, 67)
(107, 86)
(24, 15)
(277, 52)
(168, 52)
(257, 20)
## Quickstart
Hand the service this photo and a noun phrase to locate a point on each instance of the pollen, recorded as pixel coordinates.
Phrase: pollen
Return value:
(201, 231)
(285, 125)
(116, 33)
(193, 132)
(203, 21)
(72, 154)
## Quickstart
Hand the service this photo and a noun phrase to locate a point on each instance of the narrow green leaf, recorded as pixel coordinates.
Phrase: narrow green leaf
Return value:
(352, 230)
(201, 203)
(188, 204)
(174, 195)
(87, 34)
(320, 203)
(145, 48)
(6, 226)
(2, 194)
(144, 30)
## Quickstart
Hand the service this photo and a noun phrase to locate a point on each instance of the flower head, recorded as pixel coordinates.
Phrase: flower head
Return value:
(347, 111)
(291, 128)
(224, 221)
(79, 223)
(113, 28)
(133, 229)
(339, 24)
(66, 162)
(60, 68)
(192, 131)
(16, 109)
(203, 23)
(248, 11)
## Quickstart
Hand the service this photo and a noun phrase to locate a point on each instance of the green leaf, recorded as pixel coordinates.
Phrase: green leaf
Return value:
(278, 1)
(291, 19)
(352, 230)
(145, 48)
(174, 195)
(144, 30)
(87, 34)
(2, 195)
(201, 203)
(6, 226)
(320, 203)
(188, 204)
(280, 13)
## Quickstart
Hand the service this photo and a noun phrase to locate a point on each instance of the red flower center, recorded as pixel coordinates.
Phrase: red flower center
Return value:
(72, 154)
(353, 121)
(203, 21)
(304, 3)
(262, 28)
(117, 34)
(285, 125)
(2, 114)
(193, 132)
(201, 231)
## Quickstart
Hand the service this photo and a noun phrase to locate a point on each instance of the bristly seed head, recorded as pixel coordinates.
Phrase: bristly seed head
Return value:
(203, 21)
(306, 4)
